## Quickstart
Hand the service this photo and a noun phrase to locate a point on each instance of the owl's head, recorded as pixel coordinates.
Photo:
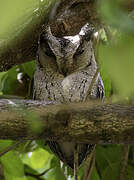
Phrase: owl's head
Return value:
(68, 54)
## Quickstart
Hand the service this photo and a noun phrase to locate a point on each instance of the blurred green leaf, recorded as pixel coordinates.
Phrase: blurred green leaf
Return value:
(118, 61)
(18, 17)
(107, 82)
(55, 174)
(8, 81)
(5, 144)
(13, 167)
(29, 68)
(112, 172)
(131, 155)
(2, 74)
(110, 10)
(39, 159)
(130, 173)
(107, 155)
(35, 126)
(31, 178)
(95, 175)
(15, 17)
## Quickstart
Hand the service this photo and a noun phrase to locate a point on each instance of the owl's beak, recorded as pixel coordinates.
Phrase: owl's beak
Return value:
(61, 66)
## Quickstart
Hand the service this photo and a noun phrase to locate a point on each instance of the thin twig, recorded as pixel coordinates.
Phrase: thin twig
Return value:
(90, 161)
(2, 173)
(76, 162)
(91, 85)
(124, 160)
(98, 171)
(92, 165)
(11, 147)
(88, 164)
(38, 176)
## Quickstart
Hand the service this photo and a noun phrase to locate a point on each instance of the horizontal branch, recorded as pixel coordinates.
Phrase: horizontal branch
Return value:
(92, 122)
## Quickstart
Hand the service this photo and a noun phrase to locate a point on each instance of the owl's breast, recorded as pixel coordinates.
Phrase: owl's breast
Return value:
(72, 88)
(76, 85)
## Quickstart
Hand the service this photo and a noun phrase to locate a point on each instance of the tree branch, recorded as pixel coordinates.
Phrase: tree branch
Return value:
(81, 122)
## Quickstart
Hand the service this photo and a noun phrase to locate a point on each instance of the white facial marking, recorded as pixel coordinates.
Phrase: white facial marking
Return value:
(73, 39)
(82, 32)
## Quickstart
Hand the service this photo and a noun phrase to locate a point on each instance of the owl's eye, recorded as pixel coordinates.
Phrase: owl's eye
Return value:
(79, 51)
(49, 52)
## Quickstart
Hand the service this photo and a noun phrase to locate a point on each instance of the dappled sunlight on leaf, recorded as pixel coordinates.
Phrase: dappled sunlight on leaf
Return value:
(38, 159)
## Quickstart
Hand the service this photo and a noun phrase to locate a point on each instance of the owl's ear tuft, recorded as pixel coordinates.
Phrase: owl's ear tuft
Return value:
(44, 36)
(43, 42)
(86, 32)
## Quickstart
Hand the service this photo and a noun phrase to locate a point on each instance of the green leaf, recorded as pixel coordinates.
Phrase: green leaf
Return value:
(8, 82)
(130, 173)
(131, 154)
(107, 82)
(42, 144)
(107, 155)
(36, 127)
(31, 178)
(112, 172)
(39, 159)
(110, 10)
(118, 61)
(95, 175)
(2, 74)
(19, 17)
(13, 167)
(29, 68)
(55, 174)
(4, 144)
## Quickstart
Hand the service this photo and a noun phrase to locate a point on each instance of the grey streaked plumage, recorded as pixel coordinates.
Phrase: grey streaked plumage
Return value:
(64, 71)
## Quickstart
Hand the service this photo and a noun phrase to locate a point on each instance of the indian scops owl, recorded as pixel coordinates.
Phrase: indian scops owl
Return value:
(64, 71)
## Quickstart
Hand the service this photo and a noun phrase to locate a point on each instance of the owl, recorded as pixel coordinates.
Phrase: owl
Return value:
(64, 71)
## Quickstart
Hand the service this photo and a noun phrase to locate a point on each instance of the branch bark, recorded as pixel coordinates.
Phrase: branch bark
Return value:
(81, 122)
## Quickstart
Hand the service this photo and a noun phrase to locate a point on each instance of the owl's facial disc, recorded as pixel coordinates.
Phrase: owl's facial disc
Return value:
(67, 52)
